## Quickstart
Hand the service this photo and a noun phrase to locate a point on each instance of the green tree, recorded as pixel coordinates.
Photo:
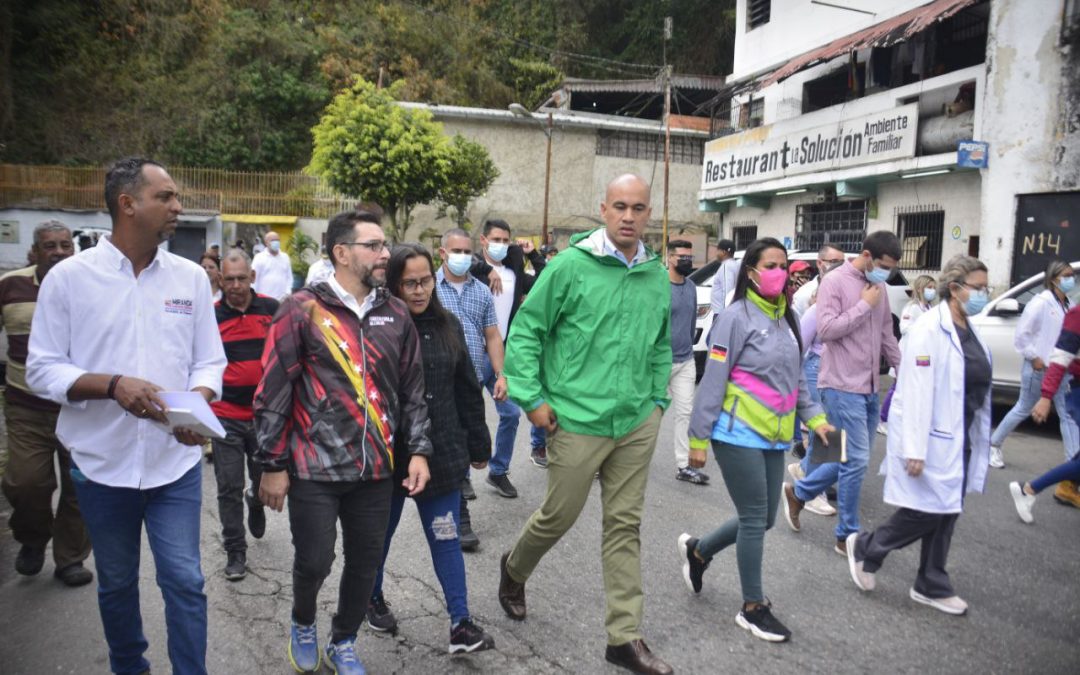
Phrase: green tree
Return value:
(368, 146)
(469, 174)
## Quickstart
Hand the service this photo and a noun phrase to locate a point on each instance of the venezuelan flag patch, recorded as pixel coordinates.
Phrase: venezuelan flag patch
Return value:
(922, 360)
(718, 353)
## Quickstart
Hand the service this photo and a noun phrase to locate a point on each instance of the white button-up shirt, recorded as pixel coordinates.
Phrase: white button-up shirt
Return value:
(360, 310)
(94, 315)
(273, 274)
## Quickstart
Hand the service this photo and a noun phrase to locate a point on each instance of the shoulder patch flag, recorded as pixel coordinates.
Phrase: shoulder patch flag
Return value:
(922, 360)
(718, 353)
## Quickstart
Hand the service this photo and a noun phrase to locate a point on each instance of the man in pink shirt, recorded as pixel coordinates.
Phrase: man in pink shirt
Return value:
(855, 326)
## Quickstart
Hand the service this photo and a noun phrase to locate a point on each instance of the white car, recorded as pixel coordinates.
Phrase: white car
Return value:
(997, 326)
(898, 289)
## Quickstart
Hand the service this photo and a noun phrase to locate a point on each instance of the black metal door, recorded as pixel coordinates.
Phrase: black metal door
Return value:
(1047, 227)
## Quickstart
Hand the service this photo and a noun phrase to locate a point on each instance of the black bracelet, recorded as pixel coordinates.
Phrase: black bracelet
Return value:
(112, 386)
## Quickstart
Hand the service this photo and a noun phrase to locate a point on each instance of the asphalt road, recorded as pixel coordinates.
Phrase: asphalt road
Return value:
(1020, 581)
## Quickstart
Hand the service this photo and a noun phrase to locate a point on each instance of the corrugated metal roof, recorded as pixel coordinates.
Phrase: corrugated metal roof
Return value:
(655, 85)
(884, 34)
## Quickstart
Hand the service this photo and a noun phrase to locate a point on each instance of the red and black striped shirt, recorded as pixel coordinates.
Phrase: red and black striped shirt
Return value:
(243, 334)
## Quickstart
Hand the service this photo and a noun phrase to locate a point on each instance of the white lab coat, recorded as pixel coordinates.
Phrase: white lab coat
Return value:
(926, 420)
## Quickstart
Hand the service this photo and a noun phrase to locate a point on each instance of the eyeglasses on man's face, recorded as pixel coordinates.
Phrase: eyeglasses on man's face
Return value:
(375, 245)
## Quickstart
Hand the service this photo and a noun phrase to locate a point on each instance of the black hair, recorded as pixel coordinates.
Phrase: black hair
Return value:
(726, 245)
(340, 229)
(124, 177)
(750, 260)
(446, 323)
(678, 243)
(883, 243)
(489, 225)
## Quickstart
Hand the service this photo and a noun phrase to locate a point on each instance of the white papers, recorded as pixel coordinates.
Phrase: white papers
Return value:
(189, 410)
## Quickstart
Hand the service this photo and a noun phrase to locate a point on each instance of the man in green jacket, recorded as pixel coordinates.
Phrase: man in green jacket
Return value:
(588, 358)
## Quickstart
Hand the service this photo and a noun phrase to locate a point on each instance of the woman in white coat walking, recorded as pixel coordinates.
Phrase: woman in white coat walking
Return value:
(939, 445)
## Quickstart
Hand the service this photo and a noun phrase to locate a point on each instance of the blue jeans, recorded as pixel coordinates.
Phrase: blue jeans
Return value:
(538, 435)
(857, 414)
(115, 517)
(811, 366)
(509, 414)
(1030, 393)
(439, 518)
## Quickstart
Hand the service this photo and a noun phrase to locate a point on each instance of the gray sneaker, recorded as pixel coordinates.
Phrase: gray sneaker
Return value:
(863, 579)
(502, 485)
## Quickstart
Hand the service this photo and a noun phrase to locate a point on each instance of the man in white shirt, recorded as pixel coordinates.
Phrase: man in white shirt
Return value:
(113, 328)
(321, 270)
(273, 269)
(727, 268)
(829, 257)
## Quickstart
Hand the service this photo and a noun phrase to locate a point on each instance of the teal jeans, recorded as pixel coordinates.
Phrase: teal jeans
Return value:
(754, 478)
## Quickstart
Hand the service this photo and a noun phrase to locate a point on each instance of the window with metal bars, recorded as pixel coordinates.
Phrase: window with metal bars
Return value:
(632, 145)
(758, 13)
(743, 234)
(922, 231)
(839, 224)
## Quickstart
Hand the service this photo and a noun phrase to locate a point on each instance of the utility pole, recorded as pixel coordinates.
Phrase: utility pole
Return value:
(667, 134)
(547, 179)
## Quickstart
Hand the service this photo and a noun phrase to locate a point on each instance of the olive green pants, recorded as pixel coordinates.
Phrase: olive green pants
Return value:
(623, 463)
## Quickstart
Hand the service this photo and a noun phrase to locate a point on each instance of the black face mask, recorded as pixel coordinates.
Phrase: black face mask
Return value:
(685, 265)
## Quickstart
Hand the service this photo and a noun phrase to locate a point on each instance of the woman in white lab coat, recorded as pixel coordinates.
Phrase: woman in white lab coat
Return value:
(939, 438)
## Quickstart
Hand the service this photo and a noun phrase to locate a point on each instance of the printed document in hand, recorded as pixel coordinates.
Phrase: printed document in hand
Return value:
(188, 409)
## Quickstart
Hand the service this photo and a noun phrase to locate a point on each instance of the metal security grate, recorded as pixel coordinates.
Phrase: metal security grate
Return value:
(743, 234)
(839, 224)
(684, 150)
(758, 13)
(922, 231)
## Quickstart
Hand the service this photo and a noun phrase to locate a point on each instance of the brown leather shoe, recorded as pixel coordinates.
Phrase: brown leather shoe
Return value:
(511, 593)
(792, 506)
(1066, 493)
(636, 657)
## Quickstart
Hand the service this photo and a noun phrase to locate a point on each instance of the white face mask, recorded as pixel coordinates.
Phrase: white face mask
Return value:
(275, 245)
(497, 250)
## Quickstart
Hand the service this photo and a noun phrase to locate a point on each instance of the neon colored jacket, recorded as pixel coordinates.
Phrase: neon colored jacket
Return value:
(593, 340)
(753, 383)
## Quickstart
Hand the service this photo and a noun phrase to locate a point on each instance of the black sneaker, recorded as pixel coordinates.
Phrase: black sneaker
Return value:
(469, 541)
(74, 575)
(30, 560)
(539, 456)
(762, 624)
(467, 637)
(379, 616)
(467, 490)
(236, 565)
(502, 485)
(256, 515)
(691, 475)
(693, 568)
(799, 450)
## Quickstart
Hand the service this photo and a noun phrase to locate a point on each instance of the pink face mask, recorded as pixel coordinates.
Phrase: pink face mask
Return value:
(772, 282)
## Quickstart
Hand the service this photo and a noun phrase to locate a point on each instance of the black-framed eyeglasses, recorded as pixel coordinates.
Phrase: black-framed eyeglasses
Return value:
(410, 285)
(375, 245)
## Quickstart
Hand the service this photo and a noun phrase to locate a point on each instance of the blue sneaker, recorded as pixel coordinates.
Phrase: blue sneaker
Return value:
(304, 652)
(341, 657)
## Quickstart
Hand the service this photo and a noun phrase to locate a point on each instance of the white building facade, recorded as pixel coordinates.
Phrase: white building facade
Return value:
(952, 123)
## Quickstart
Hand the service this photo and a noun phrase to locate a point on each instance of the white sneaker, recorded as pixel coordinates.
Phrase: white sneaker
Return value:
(996, 459)
(795, 471)
(1023, 502)
(954, 605)
(821, 506)
(864, 580)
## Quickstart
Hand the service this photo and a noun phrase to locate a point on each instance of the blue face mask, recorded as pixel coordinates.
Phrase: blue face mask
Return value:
(459, 263)
(497, 251)
(878, 275)
(1066, 284)
(929, 294)
(275, 245)
(976, 301)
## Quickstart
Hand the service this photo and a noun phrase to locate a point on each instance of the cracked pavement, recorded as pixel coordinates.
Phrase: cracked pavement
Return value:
(1020, 580)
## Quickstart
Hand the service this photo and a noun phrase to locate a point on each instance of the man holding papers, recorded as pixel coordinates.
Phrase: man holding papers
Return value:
(243, 318)
(343, 376)
(114, 326)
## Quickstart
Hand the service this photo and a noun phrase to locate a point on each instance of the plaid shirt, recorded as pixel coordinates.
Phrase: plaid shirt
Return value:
(474, 306)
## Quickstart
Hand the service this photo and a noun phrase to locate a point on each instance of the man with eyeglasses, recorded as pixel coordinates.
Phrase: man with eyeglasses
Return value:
(243, 318)
(342, 376)
(827, 258)
(30, 480)
(855, 325)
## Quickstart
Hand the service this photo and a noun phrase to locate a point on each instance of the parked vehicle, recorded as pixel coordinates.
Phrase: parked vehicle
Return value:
(898, 289)
(997, 326)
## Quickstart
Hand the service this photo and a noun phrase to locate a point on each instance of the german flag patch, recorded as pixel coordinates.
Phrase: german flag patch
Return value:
(718, 353)
(922, 360)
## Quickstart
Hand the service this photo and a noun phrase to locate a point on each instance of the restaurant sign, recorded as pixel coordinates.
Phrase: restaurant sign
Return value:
(760, 154)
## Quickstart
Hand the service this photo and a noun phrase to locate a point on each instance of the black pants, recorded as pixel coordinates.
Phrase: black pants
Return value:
(907, 526)
(314, 510)
(230, 455)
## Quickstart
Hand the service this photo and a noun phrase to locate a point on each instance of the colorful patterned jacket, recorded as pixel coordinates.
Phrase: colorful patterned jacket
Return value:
(336, 389)
(1066, 355)
(753, 383)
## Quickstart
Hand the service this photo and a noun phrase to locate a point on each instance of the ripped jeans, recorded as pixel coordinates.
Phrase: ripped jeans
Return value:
(439, 517)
